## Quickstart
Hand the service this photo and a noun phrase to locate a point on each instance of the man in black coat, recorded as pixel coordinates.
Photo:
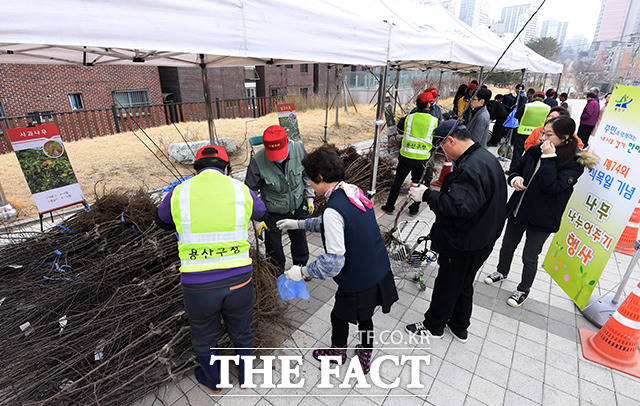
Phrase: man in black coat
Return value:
(499, 113)
(470, 213)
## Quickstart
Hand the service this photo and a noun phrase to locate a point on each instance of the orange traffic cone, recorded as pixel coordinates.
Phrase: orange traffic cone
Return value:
(446, 168)
(630, 234)
(616, 344)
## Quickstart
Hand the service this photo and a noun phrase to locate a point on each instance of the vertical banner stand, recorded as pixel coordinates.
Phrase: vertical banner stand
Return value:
(598, 311)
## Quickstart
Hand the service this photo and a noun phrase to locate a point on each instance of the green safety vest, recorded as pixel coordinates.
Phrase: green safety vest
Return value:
(535, 114)
(418, 136)
(211, 212)
(282, 194)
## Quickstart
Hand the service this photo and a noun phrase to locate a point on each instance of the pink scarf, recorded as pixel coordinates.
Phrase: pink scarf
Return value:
(354, 194)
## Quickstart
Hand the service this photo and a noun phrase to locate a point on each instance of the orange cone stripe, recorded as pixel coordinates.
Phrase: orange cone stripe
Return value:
(635, 325)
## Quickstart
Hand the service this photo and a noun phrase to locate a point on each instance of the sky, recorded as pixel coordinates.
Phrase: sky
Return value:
(582, 15)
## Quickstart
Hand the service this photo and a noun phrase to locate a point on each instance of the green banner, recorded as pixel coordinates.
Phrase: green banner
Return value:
(602, 201)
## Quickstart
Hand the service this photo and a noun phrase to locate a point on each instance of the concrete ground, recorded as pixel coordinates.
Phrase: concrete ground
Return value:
(526, 356)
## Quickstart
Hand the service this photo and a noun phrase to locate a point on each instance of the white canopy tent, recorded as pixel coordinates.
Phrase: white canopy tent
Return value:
(240, 32)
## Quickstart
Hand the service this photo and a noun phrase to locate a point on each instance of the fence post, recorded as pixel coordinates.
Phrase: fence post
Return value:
(218, 107)
(253, 104)
(115, 118)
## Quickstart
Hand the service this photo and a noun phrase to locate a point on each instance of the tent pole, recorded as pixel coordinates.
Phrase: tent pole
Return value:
(544, 82)
(337, 98)
(378, 129)
(326, 106)
(396, 83)
(558, 86)
(440, 81)
(522, 77)
(480, 73)
(207, 101)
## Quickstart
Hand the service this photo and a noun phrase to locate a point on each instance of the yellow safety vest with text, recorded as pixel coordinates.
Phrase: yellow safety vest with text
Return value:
(418, 136)
(535, 115)
(211, 212)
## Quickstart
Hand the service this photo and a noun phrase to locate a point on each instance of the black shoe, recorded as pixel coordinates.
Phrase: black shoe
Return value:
(461, 336)
(419, 328)
(517, 298)
(388, 209)
(494, 277)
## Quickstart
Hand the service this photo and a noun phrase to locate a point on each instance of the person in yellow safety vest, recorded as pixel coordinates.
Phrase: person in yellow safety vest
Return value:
(531, 116)
(415, 150)
(210, 213)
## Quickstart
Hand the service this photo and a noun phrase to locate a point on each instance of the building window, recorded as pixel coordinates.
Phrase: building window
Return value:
(288, 66)
(274, 92)
(304, 91)
(304, 68)
(251, 92)
(133, 98)
(76, 101)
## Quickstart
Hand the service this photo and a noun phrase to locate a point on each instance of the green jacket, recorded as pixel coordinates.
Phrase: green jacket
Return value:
(280, 194)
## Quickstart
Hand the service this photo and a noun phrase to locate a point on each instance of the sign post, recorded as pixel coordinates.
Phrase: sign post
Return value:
(46, 167)
(602, 201)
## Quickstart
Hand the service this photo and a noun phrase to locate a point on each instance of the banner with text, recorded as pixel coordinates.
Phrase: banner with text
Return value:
(288, 119)
(602, 201)
(46, 166)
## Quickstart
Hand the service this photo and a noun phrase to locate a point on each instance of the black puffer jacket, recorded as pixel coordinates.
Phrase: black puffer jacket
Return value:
(542, 204)
(470, 206)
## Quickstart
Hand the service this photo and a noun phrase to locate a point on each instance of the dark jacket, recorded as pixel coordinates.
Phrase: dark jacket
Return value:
(550, 101)
(435, 111)
(547, 193)
(479, 126)
(497, 111)
(470, 206)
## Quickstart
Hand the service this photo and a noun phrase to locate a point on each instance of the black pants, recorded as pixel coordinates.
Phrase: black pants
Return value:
(517, 140)
(532, 247)
(498, 133)
(207, 304)
(584, 132)
(406, 166)
(340, 332)
(452, 298)
(273, 240)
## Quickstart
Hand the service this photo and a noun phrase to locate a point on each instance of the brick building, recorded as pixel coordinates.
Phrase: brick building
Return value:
(184, 85)
(294, 80)
(37, 89)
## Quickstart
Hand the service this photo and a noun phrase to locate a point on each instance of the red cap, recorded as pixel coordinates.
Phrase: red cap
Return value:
(433, 91)
(539, 93)
(276, 144)
(425, 97)
(472, 86)
(212, 151)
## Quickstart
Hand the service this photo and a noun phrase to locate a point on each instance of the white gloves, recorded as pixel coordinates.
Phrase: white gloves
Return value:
(416, 192)
(294, 273)
(288, 224)
(310, 205)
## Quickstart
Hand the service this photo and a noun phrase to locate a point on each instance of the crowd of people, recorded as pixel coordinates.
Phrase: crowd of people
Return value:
(211, 213)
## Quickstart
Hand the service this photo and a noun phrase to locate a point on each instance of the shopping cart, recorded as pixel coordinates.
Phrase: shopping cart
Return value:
(410, 254)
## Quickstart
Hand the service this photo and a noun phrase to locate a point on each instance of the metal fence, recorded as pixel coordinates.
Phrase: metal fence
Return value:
(78, 124)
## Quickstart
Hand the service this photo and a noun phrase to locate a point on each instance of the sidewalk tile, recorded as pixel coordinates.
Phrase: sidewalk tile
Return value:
(491, 370)
(626, 385)
(497, 353)
(405, 400)
(533, 367)
(499, 336)
(555, 397)
(442, 394)
(530, 348)
(534, 319)
(504, 322)
(532, 333)
(486, 391)
(462, 358)
(512, 398)
(525, 385)
(597, 374)
(566, 361)
(455, 376)
(596, 394)
(561, 344)
(561, 380)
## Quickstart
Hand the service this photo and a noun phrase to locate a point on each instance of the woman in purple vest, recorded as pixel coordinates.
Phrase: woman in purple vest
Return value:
(355, 255)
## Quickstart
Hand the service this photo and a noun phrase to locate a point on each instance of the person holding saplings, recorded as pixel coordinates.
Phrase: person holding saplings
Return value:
(355, 255)
(277, 173)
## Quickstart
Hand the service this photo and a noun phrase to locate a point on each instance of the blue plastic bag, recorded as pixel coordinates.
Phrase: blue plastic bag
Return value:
(289, 289)
(511, 121)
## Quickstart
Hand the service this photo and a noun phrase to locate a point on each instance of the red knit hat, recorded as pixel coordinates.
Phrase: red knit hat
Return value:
(539, 93)
(433, 91)
(472, 86)
(276, 144)
(212, 151)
